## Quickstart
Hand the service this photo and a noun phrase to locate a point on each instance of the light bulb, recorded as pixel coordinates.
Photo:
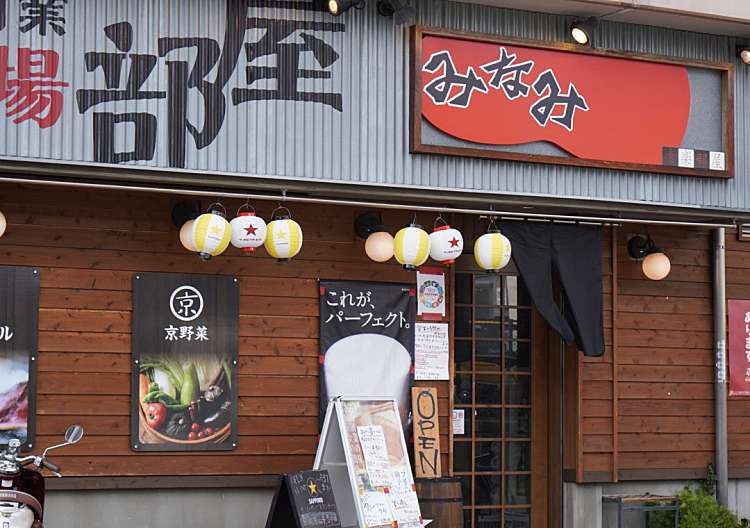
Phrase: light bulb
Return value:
(379, 246)
(656, 266)
(3, 224)
(186, 236)
(579, 36)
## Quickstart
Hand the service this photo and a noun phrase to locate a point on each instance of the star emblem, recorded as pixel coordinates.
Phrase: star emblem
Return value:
(281, 236)
(251, 230)
(216, 230)
(312, 487)
(454, 242)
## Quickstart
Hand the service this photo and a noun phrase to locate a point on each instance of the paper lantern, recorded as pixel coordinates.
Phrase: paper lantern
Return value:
(379, 246)
(446, 244)
(248, 232)
(3, 224)
(186, 236)
(411, 246)
(492, 251)
(284, 238)
(211, 234)
(656, 266)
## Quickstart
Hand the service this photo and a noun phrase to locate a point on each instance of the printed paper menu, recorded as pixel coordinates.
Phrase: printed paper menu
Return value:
(372, 441)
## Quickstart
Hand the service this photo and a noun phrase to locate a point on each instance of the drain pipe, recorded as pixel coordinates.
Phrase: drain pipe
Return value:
(720, 385)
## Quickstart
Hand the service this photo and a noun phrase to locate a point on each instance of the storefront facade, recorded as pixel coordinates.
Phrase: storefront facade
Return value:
(155, 103)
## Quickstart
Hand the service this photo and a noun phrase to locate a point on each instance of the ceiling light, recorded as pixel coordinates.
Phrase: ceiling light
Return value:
(582, 31)
(338, 7)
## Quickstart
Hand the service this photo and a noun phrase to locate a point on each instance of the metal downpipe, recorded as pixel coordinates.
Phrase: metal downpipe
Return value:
(720, 385)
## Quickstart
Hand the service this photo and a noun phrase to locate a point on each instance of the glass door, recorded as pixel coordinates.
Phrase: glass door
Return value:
(493, 386)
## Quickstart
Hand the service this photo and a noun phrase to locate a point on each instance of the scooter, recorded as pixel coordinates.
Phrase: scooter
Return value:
(22, 488)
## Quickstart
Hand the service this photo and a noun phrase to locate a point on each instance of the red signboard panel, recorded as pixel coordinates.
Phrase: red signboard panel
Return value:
(590, 106)
(739, 348)
(487, 96)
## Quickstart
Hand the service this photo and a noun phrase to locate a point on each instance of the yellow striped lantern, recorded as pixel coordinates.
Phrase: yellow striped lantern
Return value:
(446, 243)
(492, 250)
(284, 237)
(211, 232)
(248, 230)
(411, 246)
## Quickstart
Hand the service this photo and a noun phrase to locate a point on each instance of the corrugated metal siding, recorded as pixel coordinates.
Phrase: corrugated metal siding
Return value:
(368, 141)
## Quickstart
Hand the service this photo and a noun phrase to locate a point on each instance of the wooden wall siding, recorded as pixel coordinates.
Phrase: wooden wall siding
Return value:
(664, 373)
(88, 245)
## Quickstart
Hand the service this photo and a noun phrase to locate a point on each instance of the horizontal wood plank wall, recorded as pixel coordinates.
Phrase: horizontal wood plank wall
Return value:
(595, 433)
(664, 369)
(88, 245)
(738, 408)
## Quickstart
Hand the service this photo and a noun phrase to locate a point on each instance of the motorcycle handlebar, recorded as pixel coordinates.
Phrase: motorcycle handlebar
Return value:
(49, 465)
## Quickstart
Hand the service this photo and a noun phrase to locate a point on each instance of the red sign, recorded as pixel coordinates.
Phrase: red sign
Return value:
(549, 103)
(739, 348)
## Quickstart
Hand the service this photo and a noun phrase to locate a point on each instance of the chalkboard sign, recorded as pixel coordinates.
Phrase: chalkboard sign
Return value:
(304, 500)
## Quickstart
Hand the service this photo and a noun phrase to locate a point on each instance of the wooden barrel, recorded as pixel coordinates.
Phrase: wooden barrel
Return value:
(440, 500)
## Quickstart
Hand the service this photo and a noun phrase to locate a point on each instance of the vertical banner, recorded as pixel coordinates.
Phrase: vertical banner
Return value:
(739, 347)
(366, 341)
(19, 323)
(185, 350)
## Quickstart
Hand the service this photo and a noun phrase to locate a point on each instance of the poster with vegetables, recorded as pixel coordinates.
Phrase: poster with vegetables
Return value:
(185, 349)
(19, 321)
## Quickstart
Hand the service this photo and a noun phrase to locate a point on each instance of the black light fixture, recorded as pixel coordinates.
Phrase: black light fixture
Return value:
(582, 31)
(184, 211)
(655, 263)
(400, 10)
(378, 241)
(743, 52)
(339, 7)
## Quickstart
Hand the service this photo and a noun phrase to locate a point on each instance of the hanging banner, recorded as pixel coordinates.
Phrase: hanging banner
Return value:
(592, 108)
(19, 323)
(739, 347)
(185, 345)
(366, 341)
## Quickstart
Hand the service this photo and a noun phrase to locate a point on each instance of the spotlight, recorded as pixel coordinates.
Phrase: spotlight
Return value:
(338, 7)
(400, 10)
(582, 31)
(743, 52)
(184, 211)
(379, 242)
(656, 265)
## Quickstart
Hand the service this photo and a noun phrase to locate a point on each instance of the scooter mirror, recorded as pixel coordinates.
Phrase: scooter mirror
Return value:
(74, 434)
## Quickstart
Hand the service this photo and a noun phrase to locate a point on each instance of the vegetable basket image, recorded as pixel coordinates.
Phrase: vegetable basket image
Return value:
(185, 402)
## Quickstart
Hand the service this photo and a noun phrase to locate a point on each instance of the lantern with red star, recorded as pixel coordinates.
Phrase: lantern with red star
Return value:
(248, 230)
(446, 243)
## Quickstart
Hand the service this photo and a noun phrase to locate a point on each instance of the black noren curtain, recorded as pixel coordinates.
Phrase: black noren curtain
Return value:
(575, 252)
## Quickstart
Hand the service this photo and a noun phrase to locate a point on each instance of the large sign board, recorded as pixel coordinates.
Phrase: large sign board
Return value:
(484, 96)
(185, 348)
(19, 323)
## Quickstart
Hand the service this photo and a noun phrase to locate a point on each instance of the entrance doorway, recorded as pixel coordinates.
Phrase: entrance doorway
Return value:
(502, 387)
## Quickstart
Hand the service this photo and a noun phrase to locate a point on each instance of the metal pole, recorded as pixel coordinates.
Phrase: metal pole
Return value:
(720, 386)
(283, 197)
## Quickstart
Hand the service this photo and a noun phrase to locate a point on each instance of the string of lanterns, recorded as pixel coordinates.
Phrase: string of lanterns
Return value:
(412, 245)
(210, 234)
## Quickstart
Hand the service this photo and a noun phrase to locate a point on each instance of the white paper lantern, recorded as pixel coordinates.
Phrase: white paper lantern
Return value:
(284, 238)
(186, 236)
(248, 232)
(411, 246)
(211, 234)
(492, 251)
(446, 244)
